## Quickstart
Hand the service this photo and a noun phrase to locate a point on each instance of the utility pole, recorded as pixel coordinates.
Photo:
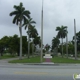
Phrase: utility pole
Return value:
(75, 42)
(42, 32)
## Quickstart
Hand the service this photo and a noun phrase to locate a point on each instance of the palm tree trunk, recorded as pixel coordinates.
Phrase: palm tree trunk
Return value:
(20, 29)
(62, 47)
(28, 44)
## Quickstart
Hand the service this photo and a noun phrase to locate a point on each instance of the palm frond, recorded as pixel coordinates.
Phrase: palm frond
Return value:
(22, 9)
(14, 20)
(21, 4)
(25, 20)
(63, 27)
(26, 13)
(17, 8)
(17, 22)
(58, 28)
(33, 22)
(13, 13)
(25, 26)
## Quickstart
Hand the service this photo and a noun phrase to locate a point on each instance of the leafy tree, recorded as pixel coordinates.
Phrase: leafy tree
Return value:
(71, 48)
(64, 48)
(4, 44)
(14, 44)
(2, 47)
(61, 34)
(78, 42)
(20, 16)
(11, 45)
(25, 45)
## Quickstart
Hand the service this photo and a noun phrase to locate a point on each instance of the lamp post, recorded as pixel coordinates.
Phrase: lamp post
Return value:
(42, 31)
(75, 43)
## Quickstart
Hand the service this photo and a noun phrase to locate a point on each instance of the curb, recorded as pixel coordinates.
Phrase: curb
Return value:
(49, 64)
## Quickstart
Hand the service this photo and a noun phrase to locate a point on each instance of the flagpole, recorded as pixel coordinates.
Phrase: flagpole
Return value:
(42, 32)
(75, 44)
(67, 42)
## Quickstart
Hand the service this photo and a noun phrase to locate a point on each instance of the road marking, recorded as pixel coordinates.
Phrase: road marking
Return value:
(44, 73)
(31, 73)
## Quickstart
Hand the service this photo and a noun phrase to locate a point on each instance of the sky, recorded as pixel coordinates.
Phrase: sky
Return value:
(56, 13)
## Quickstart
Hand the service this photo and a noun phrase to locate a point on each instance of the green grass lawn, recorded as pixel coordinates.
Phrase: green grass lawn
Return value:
(64, 60)
(26, 60)
(7, 56)
(37, 60)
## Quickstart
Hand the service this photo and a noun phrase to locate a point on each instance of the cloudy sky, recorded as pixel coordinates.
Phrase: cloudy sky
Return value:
(56, 13)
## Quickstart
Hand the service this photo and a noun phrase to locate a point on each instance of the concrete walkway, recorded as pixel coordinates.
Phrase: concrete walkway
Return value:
(3, 61)
(47, 59)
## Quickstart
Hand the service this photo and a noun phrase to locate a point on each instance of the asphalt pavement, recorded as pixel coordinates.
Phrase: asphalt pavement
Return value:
(38, 71)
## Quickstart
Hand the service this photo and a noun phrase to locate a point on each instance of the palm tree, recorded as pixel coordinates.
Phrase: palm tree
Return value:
(61, 34)
(37, 41)
(28, 23)
(55, 42)
(33, 34)
(20, 15)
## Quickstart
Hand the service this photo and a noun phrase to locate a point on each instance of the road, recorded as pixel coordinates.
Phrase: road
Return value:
(37, 72)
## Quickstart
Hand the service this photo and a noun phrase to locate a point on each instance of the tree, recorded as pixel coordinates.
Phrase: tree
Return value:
(14, 44)
(28, 24)
(33, 34)
(2, 47)
(55, 43)
(61, 34)
(4, 44)
(71, 48)
(20, 16)
(25, 45)
(47, 47)
(37, 41)
(78, 42)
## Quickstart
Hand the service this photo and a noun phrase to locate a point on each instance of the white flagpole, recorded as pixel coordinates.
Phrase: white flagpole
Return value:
(67, 42)
(42, 31)
(75, 44)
